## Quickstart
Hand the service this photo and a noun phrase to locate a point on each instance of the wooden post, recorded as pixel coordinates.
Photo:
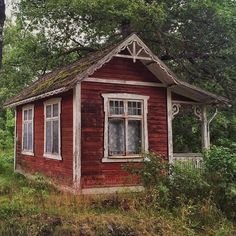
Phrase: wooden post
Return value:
(205, 130)
(169, 123)
(15, 140)
(77, 135)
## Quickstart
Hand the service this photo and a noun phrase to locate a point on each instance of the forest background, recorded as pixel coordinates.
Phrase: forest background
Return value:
(196, 39)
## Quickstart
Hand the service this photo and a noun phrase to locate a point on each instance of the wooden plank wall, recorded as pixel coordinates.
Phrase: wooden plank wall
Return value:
(60, 170)
(94, 172)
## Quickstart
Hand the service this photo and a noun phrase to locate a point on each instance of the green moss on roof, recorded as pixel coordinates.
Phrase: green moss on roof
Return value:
(60, 77)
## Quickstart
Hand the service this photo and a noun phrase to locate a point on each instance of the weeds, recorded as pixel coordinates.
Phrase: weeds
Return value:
(34, 207)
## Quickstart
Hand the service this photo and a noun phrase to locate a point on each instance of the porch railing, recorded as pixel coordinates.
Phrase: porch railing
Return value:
(188, 159)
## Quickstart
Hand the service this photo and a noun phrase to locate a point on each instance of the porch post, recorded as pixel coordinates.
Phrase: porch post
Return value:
(205, 129)
(169, 125)
(15, 139)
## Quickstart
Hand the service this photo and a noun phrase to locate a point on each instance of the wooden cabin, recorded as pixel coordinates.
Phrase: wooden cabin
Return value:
(79, 124)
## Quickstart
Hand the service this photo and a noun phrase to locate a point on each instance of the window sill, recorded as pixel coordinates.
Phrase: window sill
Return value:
(122, 159)
(51, 156)
(27, 153)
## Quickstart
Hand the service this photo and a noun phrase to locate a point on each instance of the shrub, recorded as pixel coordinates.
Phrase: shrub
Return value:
(220, 171)
(187, 183)
(175, 185)
(153, 172)
(170, 185)
(6, 163)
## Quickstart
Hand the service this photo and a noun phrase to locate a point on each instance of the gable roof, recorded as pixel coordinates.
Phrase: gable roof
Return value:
(65, 78)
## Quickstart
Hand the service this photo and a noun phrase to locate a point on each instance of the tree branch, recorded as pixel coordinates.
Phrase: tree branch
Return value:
(77, 49)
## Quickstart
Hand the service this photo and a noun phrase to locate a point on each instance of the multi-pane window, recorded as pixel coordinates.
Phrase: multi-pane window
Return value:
(125, 125)
(52, 129)
(27, 130)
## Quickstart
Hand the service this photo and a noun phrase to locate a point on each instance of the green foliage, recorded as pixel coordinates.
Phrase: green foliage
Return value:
(52, 33)
(181, 32)
(154, 169)
(7, 126)
(23, 211)
(174, 185)
(220, 167)
(186, 184)
(186, 132)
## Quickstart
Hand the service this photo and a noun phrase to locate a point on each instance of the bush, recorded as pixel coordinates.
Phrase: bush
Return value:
(186, 184)
(170, 185)
(6, 163)
(175, 185)
(220, 171)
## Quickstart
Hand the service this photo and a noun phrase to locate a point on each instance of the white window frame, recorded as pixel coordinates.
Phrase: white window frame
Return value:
(46, 103)
(23, 151)
(127, 97)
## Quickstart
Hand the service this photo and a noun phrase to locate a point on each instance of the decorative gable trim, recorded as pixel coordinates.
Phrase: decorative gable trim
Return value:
(133, 41)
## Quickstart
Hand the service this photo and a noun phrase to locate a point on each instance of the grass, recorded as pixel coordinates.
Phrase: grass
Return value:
(33, 207)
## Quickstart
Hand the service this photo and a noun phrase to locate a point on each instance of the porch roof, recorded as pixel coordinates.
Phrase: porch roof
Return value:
(65, 78)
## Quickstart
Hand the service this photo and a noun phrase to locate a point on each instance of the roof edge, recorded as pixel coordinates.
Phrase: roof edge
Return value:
(216, 98)
(40, 96)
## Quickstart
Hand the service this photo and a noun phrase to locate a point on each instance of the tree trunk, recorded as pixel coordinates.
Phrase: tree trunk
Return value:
(2, 19)
(126, 28)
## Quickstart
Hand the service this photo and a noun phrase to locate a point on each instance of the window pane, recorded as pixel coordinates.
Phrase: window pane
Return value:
(116, 135)
(116, 107)
(134, 108)
(30, 112)
(55, 146)
(55, 110)
(134, 136)
(25, 137)
(48, 137)
(30, 136)
(25, 114)
(48, 111)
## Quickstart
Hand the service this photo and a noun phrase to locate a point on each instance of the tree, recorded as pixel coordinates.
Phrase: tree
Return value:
(195, 38)
(2, 19)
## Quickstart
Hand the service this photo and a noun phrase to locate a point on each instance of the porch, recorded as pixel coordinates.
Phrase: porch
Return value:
(187, 147)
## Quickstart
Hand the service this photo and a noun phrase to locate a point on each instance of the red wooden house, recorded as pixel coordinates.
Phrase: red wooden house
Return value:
(80, 123)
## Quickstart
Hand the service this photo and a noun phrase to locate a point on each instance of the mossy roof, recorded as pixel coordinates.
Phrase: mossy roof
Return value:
(64, 77)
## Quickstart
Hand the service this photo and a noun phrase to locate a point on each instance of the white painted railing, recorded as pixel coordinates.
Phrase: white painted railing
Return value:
(188, 159)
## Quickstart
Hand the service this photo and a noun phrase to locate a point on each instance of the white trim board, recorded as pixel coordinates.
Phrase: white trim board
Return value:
(124, 82)
(186, 102)
(44, 95)
(77, 135)
(169, 125)
(15, 139)
(107, 190)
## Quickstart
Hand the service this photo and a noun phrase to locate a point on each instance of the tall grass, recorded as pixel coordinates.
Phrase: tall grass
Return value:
(34, 207)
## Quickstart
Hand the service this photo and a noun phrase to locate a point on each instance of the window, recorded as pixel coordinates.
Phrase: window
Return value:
(52, 139)
(27, 130)
(125, 126)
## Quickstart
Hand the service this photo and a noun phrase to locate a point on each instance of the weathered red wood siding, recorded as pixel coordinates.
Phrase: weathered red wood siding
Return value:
(61, 170)
(94, 172)
(125, 69)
